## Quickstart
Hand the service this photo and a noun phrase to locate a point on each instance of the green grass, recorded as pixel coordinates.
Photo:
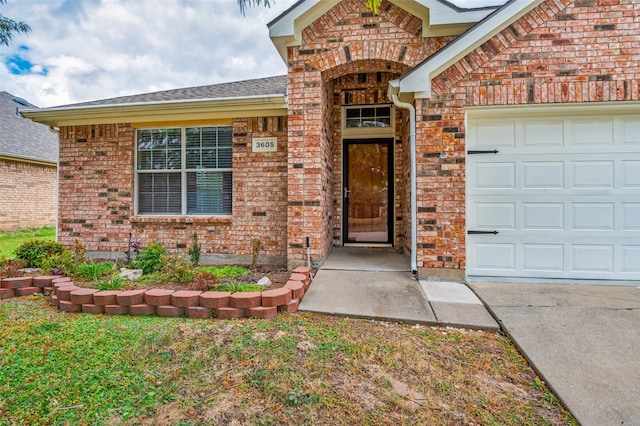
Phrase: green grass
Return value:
(223, 272)
(9, 240)
(302, 369)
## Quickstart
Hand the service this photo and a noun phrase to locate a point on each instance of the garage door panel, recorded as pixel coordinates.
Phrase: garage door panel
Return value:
(631, 259)
(543, 257)
(495, 256)
(495, 215)
(593, 133)
(495, 175)
(631, 132)
(631, 217)
(563, 197)
(592, 258)
(592, 174)
(631, 174)
(543, 175)
(501, 135)
(543, 216)
(593, 216)
(546, 133)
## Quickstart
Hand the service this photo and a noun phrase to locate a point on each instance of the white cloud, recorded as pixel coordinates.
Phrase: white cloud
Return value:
(83, 50)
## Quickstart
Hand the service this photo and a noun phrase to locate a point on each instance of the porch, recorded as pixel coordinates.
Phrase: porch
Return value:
(377, 283)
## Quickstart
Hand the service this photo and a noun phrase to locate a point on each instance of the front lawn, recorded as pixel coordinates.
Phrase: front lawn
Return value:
(9, 240)
(60, 368)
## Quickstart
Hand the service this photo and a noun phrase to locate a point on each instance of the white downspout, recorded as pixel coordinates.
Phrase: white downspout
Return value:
(414, 199)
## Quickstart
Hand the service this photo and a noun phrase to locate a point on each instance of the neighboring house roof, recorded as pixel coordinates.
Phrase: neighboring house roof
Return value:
(23, 139)
(256, 97)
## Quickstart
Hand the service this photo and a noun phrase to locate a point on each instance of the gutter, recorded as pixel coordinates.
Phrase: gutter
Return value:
(83, 114)
(393, 95)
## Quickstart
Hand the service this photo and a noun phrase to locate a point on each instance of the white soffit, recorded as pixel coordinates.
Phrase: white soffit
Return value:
(438, 18)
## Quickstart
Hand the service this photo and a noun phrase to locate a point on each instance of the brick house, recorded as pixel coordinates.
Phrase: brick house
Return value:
(28, 168)
(491, 142)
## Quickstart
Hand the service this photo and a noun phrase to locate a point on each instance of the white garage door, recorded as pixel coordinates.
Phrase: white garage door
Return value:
(561, 196)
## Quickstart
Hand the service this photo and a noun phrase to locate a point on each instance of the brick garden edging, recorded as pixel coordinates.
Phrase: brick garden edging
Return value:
(169, 303)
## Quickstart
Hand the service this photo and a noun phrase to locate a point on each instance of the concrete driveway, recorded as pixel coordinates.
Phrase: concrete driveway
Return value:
(583, 340)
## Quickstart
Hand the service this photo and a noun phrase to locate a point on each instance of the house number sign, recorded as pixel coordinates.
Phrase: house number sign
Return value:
(264, 144)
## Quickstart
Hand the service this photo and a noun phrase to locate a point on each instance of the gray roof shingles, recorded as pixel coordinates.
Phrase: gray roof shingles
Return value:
(21, 138)
(247, 88)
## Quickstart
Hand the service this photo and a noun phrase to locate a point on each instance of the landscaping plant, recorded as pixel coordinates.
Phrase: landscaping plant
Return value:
(35, 251)
(194, 251)
(150, 259)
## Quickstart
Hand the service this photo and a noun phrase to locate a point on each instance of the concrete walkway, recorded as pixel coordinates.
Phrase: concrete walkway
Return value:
(584, 342)
(377, 284)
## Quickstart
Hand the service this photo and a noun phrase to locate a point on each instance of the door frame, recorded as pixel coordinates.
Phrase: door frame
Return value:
(390, 142)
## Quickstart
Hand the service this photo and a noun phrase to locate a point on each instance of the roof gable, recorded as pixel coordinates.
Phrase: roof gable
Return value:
(438, 17)
(21, 138)
(417, 82)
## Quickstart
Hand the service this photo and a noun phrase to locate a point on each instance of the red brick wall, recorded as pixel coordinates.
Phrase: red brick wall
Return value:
(345, 41)
(97, 195)
(28, 195)
(561, 52)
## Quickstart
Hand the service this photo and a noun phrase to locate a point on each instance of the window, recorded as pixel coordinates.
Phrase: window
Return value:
(184, 171)
(375, 116)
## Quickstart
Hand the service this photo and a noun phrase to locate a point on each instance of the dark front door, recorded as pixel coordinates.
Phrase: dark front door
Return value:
(368, 191)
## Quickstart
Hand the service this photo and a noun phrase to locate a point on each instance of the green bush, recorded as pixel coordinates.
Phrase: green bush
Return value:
(63, 263)
(35, 251)
(150, 259)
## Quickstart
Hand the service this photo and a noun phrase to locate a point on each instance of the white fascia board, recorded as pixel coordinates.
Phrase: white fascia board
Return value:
(234, 107)
(443, 14)
(287, 30)
(418, 80)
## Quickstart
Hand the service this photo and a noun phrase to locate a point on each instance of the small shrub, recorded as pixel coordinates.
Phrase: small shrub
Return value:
(63, 263)
(177, 268)
(115, 283)
(79, 251)
(194, 251)
(10, 267)
(256, 246)
(34, 251)
(150, 259)
(203, 280)
(94, 270)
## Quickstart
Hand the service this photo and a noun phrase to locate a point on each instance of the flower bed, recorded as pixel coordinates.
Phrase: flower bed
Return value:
(164, 302)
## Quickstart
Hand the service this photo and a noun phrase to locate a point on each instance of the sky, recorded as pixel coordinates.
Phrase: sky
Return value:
(82, 50)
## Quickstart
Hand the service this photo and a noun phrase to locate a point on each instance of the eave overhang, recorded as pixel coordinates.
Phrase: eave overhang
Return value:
(162, 111)
(29, 160)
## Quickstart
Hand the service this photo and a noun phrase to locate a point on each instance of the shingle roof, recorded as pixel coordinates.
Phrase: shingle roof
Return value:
(22, 138)
(238, 89)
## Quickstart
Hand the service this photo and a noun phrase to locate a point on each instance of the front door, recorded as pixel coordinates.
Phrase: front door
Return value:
(368, 191)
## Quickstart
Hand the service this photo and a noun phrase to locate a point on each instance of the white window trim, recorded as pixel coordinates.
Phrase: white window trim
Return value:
(364, 132)
(183, 174)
